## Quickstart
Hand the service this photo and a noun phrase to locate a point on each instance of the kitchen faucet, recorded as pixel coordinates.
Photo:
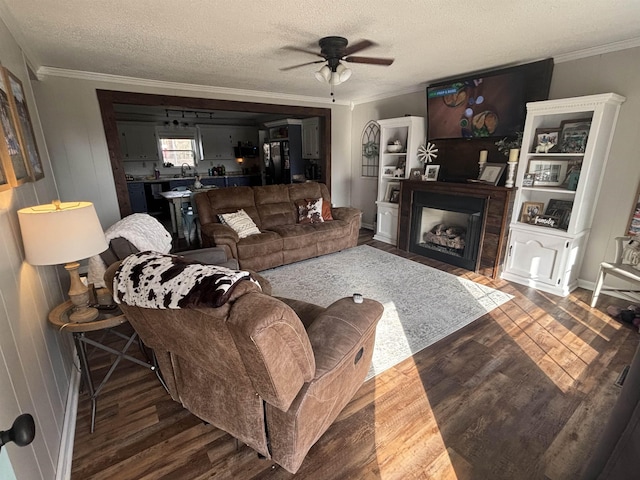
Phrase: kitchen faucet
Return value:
(183, 169)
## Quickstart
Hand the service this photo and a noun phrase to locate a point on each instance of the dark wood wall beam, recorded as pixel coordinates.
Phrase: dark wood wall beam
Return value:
(107, 99)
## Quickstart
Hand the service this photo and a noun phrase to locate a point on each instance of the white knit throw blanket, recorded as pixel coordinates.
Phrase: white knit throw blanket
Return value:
(142, 230)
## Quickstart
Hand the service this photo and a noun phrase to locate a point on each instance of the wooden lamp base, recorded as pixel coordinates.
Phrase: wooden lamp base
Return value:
(79, 295)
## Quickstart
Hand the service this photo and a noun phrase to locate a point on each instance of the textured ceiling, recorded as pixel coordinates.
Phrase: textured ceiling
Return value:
(238, 43)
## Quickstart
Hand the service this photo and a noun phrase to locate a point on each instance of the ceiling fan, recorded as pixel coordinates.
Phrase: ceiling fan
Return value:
(334, 51)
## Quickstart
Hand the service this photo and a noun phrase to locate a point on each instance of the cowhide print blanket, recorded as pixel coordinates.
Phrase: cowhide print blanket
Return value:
(156, 280)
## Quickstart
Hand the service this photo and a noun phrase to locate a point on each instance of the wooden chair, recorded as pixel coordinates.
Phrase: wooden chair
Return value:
(622, 268)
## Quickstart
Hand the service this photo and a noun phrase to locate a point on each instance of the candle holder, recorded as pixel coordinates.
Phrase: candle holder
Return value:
(511, 174)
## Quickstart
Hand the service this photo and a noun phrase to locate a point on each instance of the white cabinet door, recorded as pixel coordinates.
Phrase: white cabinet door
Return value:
(138, 141)
(536, 257)
(387, 224)
(217, 142)
(311, 138)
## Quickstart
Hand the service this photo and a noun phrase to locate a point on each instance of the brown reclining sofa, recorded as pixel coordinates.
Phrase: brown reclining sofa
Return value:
(282, 239)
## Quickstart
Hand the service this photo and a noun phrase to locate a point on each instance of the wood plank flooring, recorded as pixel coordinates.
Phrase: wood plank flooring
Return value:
(521, 393)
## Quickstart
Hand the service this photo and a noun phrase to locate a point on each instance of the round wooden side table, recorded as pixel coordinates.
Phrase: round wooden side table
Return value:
(107, 320)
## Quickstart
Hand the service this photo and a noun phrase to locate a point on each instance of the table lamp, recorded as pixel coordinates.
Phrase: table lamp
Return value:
(64, 233)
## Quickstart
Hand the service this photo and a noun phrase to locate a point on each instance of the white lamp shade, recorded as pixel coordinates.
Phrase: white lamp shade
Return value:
(56, 234)
(324, 74)
(343, 72)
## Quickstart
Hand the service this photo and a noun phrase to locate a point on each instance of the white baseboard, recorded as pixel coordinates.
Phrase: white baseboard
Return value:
(368, 226)
(65, 456)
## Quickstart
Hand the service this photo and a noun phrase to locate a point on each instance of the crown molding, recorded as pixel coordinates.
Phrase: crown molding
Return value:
(599, 50)
(44, 72)
(396, 93)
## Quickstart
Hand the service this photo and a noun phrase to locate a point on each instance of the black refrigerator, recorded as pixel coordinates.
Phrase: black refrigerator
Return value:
(283, 160)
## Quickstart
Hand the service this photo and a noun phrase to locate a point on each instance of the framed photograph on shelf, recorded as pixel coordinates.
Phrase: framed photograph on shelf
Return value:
(13, 159)
(391, 186)
(560, 209)
(548, 173)
(574, 135)
(528, 180)
(415, 173)
(24, 125)
(491, 173)
(389, 171)
(547, 140)
(395, 195)
(530, 210)
(431, 173)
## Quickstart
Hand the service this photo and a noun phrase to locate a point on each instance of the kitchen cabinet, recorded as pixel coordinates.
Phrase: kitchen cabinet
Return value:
(311, 138)
(217, 141)
(138, 141)
(554, 207)
(410, 133)
(239, 181)
(217, 181)
(137, 197)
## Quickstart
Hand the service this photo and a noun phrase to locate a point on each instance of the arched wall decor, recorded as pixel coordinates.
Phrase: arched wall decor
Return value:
(370, 149)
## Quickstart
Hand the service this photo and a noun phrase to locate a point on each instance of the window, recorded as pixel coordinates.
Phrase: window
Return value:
(370, 147)
(178, 146)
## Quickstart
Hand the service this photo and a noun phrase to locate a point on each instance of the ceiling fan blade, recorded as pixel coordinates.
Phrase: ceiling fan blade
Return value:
(370, 60)
(300, 65)
(356, 47)
(297, 49)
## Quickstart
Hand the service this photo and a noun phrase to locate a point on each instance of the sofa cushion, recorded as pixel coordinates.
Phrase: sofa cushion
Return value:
(226, 200)
(297, 236)
(259, 245)
(309, 210)
(240, 222)
(274, 206)
(326, 211)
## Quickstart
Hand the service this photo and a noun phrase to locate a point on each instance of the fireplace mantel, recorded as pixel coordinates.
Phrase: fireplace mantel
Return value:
(498, 206)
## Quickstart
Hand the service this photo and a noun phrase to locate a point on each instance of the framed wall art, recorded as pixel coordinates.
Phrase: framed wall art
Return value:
(23, 123)
(431, 173)
(548, 173)
(13, 159)
(491, 173)
(574, 135)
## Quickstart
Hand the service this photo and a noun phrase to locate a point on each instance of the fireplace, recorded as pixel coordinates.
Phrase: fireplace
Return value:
(462, 224)
(447, 228)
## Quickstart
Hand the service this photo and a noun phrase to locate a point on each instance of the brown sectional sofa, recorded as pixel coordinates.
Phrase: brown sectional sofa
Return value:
(282, 240)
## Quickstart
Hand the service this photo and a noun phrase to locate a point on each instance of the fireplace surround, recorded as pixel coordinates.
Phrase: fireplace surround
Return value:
(465, 225)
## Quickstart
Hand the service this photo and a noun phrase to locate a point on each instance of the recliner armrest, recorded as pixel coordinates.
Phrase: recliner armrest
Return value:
(339, 330)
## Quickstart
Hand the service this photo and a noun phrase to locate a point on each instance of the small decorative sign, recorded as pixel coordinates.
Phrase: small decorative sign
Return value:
(547, 221)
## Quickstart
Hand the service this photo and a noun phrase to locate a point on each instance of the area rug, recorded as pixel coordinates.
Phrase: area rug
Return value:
(421, 304)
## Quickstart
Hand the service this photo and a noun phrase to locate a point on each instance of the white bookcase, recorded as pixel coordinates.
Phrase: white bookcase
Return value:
(549, 258)
(410, 133)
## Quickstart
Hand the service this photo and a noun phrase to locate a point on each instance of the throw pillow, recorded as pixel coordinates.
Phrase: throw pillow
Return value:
(240, 222)
(310, 210)
(326, 211)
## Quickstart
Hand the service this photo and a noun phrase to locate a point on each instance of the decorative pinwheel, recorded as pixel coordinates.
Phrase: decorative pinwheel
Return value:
(427, 153)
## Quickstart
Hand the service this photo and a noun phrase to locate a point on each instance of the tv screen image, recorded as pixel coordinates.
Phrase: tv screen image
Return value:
(489, 104)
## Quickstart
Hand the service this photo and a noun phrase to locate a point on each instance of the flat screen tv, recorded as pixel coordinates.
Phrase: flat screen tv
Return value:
(488, 104)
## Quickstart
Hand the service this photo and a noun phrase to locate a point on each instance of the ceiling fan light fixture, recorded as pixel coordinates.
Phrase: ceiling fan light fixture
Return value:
(343, 72)
(324, 74)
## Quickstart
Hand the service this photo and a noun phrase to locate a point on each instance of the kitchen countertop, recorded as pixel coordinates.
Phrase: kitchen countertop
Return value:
(150, 179)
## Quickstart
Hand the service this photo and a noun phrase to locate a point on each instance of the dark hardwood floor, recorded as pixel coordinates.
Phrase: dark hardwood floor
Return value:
(521, 393)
